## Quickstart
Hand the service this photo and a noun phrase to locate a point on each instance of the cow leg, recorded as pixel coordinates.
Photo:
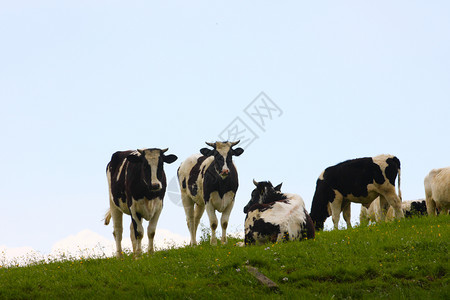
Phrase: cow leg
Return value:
(212, 222)
(336, 207)
(347, 213)
(431, 205)
(395, 202)
(224, 221)
(188, 205)
(198, 213)
(136, 233)
(117, 217)
(384, 206)
(152, 226)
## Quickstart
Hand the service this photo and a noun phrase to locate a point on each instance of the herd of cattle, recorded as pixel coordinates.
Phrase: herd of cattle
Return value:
(209, 180)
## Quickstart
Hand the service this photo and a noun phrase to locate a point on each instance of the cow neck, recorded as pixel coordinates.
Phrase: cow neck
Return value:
(213, 182)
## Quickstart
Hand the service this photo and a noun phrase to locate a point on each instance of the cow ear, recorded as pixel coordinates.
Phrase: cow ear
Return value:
(278, 187)
(170, 158)
(206, 152)
(134, 157)
(238, 151)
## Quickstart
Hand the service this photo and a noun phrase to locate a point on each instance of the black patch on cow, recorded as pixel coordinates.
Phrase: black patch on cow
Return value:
(265, 206)
(193, 175)
(183, 183)
(392, 169)
(308, 230)
(212, 182)
(118, 179)
(418, 208)
(265, 229)
(135, 227)
(203, 171)
(319, 209)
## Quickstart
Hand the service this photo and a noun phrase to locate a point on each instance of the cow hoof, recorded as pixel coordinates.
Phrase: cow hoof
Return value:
(214, 242)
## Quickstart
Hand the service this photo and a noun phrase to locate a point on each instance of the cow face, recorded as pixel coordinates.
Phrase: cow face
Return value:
(264, 190)
(151, 164)
(223, 156)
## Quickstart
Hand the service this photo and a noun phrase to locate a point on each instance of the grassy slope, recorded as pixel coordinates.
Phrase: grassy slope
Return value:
(403, 259)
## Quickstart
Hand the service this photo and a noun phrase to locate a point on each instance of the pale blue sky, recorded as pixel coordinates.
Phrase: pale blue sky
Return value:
(80, 80)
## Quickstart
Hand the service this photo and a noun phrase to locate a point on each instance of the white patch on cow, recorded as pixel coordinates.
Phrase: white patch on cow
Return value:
(437, 191)
(223, 149)
(120, 169)
(220, 204)
(321, 175)
(152, 157)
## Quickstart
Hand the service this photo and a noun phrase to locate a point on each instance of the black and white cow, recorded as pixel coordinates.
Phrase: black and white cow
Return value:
(209, 180)
(273, 216)
(437, 191)
(137, 184)
(375, 212)
(358, 180)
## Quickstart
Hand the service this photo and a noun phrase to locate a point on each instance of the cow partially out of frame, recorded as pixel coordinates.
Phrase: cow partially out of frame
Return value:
(437, 191)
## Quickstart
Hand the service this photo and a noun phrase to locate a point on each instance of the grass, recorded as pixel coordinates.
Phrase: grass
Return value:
(400, 260)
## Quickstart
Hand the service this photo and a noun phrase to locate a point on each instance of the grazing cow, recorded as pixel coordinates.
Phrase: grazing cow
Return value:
(437, 191)
(374, 213)
(137, 184)
(358, 180)
(209, 180)
(273, 216)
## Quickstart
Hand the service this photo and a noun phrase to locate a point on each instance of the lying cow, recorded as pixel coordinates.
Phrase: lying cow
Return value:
(374, 213)
(209, 180)
(437, 191)
(358, 180)
(273, 216)
(137, 184)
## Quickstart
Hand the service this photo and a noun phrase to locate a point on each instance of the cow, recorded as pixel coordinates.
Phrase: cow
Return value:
(209, 180)
(437, 191)
(374, 213)
(358, 180)
(273, 216)
(137, 184)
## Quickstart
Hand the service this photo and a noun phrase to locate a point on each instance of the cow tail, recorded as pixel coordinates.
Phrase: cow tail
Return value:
(107, 217)
(399, 191)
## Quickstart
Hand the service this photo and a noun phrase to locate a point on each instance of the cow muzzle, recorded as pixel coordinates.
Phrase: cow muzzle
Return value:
(224, 173)
(156, 187)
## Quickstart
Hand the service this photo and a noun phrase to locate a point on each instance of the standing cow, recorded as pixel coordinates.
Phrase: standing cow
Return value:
(137, 184)
(209, 180)
(437, 191)
(273, 216)
(358, 180)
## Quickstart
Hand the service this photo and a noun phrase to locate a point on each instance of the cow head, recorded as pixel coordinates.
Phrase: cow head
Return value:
(151, 163)
(264, 191)
(223, 156)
